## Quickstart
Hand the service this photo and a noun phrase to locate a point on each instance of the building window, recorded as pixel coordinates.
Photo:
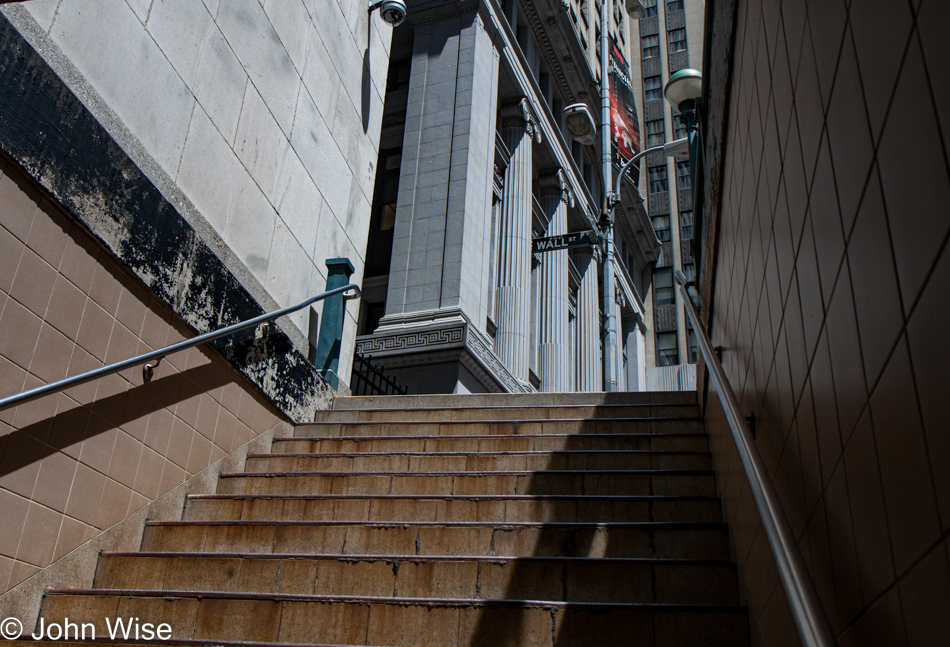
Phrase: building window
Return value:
(650, 6)
(674, 5)
(693, 348)
(689, 271)
(652, 90)
(658, 183)
(654, 133)
(682, 175)
(661, 225)
(666, 348)
(686, 225)
(651, 46)
(677, 39)
(663, 286)
(679, 126)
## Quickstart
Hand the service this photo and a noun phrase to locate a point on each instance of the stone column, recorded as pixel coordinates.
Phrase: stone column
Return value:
(633, 340)
(554, 341)
(514, 268)
(590, 373)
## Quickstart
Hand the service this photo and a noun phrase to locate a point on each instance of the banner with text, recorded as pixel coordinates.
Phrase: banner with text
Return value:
(624, 124)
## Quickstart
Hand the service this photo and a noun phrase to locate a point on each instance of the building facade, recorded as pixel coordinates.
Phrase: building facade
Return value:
(475, 163)
(670, 39)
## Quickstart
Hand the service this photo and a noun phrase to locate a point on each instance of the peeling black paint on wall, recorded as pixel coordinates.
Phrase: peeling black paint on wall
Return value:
(47, 130)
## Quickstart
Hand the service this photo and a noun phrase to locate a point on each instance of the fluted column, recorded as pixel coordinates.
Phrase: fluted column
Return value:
(514, 268)
(589, 367)
(554, 341)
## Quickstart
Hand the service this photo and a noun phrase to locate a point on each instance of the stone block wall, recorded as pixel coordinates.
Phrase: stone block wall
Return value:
(261, 119)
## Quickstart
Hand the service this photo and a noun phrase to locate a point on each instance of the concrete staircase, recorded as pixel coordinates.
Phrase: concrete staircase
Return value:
(562, 520)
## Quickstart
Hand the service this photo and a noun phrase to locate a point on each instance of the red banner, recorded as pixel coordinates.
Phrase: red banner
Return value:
(624, 124)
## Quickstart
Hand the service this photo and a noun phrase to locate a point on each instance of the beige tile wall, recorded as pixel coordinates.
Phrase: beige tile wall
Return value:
(832, 304)
(75, 463)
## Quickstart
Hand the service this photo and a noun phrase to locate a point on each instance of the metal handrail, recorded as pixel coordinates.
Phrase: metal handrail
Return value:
(102, 371)
(809, 615)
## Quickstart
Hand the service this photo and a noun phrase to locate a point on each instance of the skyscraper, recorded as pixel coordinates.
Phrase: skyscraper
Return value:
(670, 39)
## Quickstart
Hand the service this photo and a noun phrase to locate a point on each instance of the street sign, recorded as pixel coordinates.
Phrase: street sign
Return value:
(553, 243)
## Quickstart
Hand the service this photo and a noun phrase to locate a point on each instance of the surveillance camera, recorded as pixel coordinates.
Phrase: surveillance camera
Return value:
(392, 11)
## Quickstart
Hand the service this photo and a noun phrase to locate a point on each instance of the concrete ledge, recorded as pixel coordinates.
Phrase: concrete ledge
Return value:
(77, 568)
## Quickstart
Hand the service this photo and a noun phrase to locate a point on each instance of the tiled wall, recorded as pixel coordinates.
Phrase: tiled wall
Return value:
(75, 463)
(831, 304)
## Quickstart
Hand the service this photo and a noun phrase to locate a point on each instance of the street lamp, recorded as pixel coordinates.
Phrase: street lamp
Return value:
(634, 9)
(684, 93)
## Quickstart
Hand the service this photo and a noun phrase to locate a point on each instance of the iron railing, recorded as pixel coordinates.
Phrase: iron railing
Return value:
(369, 379)
(157, 355)
(809, 615)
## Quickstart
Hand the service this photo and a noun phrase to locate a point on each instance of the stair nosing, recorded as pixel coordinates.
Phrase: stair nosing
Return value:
(663, 561)
(646, 525)
(400, 601)
(492, 436)
(491, 407)
(475, 473)
(526, 452)
(473, 421)
(467, 497)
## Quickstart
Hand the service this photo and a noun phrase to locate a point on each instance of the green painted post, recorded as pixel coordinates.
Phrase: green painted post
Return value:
(327, 355)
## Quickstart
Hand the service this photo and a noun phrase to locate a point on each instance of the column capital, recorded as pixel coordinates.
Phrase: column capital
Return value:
(520, 114)
(556, 183)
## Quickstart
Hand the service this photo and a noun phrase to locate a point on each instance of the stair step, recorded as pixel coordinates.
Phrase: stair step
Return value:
(509, 413)
(466, 401)
(703, 541)
(629, 482)
(492, 443)
(689, 424)
(470, 577)
(534, 461)
(362, 507)
(575, 482)
(404, 621)
(178, 642)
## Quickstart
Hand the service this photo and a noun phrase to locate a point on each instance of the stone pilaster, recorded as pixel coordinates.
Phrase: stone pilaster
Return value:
(554, 340)
(519, 128)
(633, 347)
(590, 373)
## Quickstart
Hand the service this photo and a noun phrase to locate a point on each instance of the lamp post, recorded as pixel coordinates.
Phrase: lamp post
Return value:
(635, 10)
(683, 92)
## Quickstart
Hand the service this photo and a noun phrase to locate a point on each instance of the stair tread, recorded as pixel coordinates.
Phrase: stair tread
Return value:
(666, 561)
(498, 421)
(631, 434)
(467, 497)
(104, 640)
(401, 601)
(454, 524)
(637, 452)
(458, 473)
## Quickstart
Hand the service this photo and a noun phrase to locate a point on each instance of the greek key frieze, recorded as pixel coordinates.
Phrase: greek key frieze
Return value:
(410, 340)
